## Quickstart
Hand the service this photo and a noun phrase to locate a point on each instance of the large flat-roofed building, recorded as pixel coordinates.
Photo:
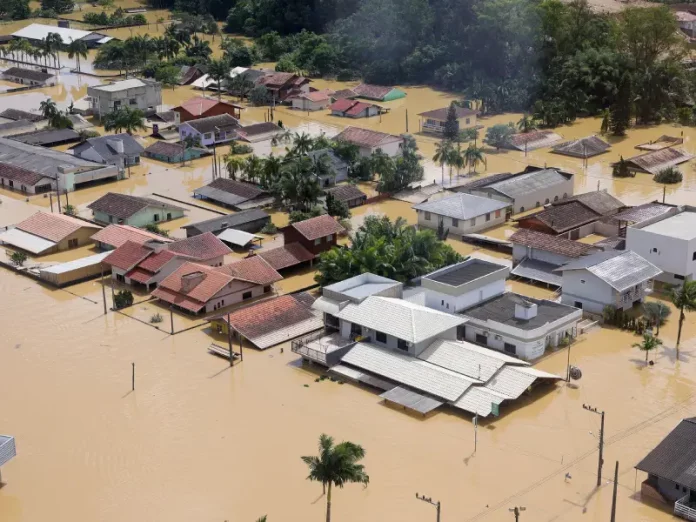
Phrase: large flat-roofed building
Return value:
(135, 93)
(39, 32)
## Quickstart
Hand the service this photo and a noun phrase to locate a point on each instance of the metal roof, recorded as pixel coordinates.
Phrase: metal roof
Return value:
(513, 381)
(462, 206)
(8, 449)
(26, 241)
(76, 264)
(479, 400)
(534, 140)
(236, 237)
(41, 31)
(529, 183)
(679, 226)
(42, 160)
(411, 400)
(619, 269)
(538, 271)
(131, 83)
(583, 147)
(464, 272)
(674, 458)
(407, 321)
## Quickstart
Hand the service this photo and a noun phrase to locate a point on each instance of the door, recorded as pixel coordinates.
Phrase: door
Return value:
(72, 243)
(575, 234)
(461, 332)
(482, 339)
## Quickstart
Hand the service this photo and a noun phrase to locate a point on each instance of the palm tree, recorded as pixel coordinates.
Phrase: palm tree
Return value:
(281, 137)
(241, 85)
(56, 44)
(233, 165)
(473, 156)
(526, 123)
(336, 465)
(648, 343)
(657, 313)
(219, 70)
(302, 144)
(77, 49)
(48, 109)
(252, 168)
(169, 48)
(124, 118)
(272, 167)
(684, 298)
(443, 152)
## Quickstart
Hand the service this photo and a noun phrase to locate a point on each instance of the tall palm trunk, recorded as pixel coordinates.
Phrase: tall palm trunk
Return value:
(328, 504)
(682, 316)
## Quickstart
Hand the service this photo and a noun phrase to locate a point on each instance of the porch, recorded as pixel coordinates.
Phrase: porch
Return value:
(685, 507)
(325, 347)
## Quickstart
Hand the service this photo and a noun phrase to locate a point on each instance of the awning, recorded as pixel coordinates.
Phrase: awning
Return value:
(411, 400)
(538, 271)
(328, 306)
(26, 241)
(236, 237)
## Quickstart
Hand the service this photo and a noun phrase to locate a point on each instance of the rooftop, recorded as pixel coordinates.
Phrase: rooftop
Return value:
(128, 255)
(642, 213)
(320, 226)
(530, 182)
(679, 226)
(117, 235)
(286, 256)
(253, 269)
(600, 201)
(619, 269)
(228, 221)
(20, 175)
(547, 242)
(29, 74)
(47, 136)
(230, 192)
(334, 160)
(346, 192)
(124, 206)
(376, 92)
(462, 206)
(674, 458)
(123, 85)
(17, 115)
(41, 31)
(366, 137)
(441, 114)
(209, 281)
(561, 218)
(483, 181)
(200, 105)
(53, 227)
(217, 123)
(359, 287)
(655, 161)
(107, 146)
(202, 247)
(533, 140)
(583, 147)
(465, 272)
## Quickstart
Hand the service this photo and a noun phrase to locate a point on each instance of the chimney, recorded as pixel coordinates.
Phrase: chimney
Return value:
(156, 246)
(117, 145)
(190, 281)
(525, 310)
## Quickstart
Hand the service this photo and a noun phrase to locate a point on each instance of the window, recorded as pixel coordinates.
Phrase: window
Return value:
(133, 101)
(208, 135)
(472, 221)
(680, 277)
(246, 295)
(676, 486)
(111, 219)
(521, 209)
(497, 213)
(455, 223)
(481, 339)
(427, 216)
(510, 348)
(488, 216)
(693, 256)
(328, 238)
(468, 121)
(266, 289)
(654, 250)
(317, 241)
(169, 216)
(355, 329)
(578, 304)
(381, 337)
(442, 303)
(565, 195)
(461, 332)
(402, 345)
(537, 204)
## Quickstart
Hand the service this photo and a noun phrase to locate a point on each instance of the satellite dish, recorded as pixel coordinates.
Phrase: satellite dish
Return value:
(575, 373)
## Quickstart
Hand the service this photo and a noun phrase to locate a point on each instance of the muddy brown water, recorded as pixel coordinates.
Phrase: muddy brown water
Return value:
(200, 441)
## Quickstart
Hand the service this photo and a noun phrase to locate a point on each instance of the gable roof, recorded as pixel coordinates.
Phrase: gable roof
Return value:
(202, 247)
(54, 227)
(316, 96)
(641, 213)
(127, 255)
(16, 115)
(317, 227)
(619, 269)
(375, 92)
(228, 221)
(47, 137)
(123, 85)
(366, 137)
(351, 107)
(117, 235)
(199, 105)
(462, 206)
(655, 161)
(441, 114)
(530, 182)
(674, 458)
(286, 256)
(561, 218)
(124, 206)
(28, 74)
(229, 191)
(171, 287)
(253, 269)
(549, 243)
(583, 147)
(343, 93)
(532, 140)
(20, 175)
(346, 192)
(105, 146)
(402, 319)
(223, 122)
(336, 162)
(165, 148)
(483, 181)
(599, 201)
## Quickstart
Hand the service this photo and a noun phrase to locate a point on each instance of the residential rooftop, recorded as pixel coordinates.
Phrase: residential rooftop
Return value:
(465, 272)
(549, 243)
(530, 182)
(679, 226)
(462, 206)
(674, 458)
(228, 221)
(619, 269)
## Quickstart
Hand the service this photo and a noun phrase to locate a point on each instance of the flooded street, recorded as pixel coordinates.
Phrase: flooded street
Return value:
(200, 441)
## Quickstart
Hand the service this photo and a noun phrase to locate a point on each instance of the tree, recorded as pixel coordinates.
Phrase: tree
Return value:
(451, 130)
(500, 135)
(620, 115)
(526, 123)
(684, 298)
(124, 118)
(656, 313)
(443, 151)
(669, 175)
(56, 44)
(14, 10)
(77, 49)
(168, 75)
(48, 109)
(474, 156)
(69, 210)
(301, 144)
(252, 168)
(606, 116)
(298, 187)
(620, 169)
(18, 258)
(234, 165)
(123, 299)
(271, 171)
(648, 343)
(154, 228)
(336, 208)
(59, 6)
(259, 95)
(219, 70)
(336, 465)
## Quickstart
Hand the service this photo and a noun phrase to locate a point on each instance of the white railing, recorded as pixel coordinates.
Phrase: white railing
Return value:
(683, 508)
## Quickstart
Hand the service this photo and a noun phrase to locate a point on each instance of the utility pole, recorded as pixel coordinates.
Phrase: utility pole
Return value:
(50, 198)
(568, 365)
(103, 289)
(516, 511)
(58, 199)
(406, 120)
(229, 338)
(664, 193)
(475, 432)
(133, 377)
(67, 201)
(601, 442)
(613, 497)
(432, 503)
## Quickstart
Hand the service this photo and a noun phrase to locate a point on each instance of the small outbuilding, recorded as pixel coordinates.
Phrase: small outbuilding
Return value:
(348, 194)
(174, 152)
(583, 148)
(378, 92)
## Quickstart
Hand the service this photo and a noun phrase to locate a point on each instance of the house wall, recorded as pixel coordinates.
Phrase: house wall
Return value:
(464, 226)
(309, 105)
(673, 256)
(28, 189)
(538, 198)
(594, 294)
(315, 247)
(209, 138)
(438, 126)
(147, 96)
(141, 218)
(233, 294)
(519, 252)
(26, 81)
(392, 149)
(671, 490)
(83, 236)
(457, 303)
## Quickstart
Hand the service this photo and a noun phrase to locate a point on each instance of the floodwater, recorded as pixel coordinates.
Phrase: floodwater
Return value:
(197, 440)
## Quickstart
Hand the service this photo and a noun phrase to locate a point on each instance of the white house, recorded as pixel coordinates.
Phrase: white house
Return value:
(668, 242)
(614, 278)
(369, 141)
(462, 213)
(211, 130)
(312, 101)
(135, 93)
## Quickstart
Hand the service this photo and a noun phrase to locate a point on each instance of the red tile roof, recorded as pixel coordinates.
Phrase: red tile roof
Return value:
(342, 105)
(127, 256)
(139, 275)
(116, 235)
(350, 107)
(319, 226)
(366, 137)
(376, 92)
(200, 105)
(562, 218)
(549, 243)
(253, 269)
(212, 281)
(155, 262)
(286, 256)
(54, 227)
(202, 247)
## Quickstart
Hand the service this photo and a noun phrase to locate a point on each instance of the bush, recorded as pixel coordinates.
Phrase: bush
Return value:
(155, 229)
(156, 318)
(123, 299)
(69, 210)
(86, 134)
(259, 95)
(269, 228)
(240, 148)
(296, 216)
(18, 258)
(685, 115)
(621, 170)
(668, 175)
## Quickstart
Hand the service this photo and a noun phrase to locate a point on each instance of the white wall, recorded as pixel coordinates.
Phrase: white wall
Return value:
(464, 226)
(232, 295)
(593, 293)
(390, 149)
(519, 252)
(671, 255)
(451, 303)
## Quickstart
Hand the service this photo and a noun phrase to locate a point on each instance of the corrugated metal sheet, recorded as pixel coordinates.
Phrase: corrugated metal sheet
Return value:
(8, 449)
(530, 183)
(236, 237)
(479, 400)
(286, 334)
(462, 206)
(411, 400)
(26, 241)
(538, 271)
(513, 382)
(619, 269)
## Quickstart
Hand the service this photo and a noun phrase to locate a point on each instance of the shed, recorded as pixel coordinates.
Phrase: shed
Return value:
(174, 152)
(237, 238)
(348, 194)
(655, 161)
(582, 148)
(378, 92)
(74, 271)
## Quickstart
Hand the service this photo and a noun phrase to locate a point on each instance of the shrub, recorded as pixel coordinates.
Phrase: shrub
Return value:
(685, 115)
(69, 210)
(621, 170)
(156, 318)
(155, 229)
(668, 175)
(269, 228)
(123, 299)
(240, 148)
(18, 258)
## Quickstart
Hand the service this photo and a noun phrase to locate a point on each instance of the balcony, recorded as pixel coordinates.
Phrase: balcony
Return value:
(685, 508)
(325, 347)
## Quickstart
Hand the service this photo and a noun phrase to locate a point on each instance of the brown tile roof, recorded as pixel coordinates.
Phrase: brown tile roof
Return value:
(319, 226)
(117, 235)
(276, 79)
(165, 148)
(549, 243)
(156, 261)
(20, 175)
(200, 105)
(376, 92)
(171, 291)
(583, 147)
(140, 275)
(441, 114)
(346, 192)
(534, 139)
(655, 161)
(343, 93)
(286, 256)
(366, 137)
(599, 201)
(127, 255)
(124, 206)
(561, 218)
(54, 227)
(223, 122)
(642, 212)
(253, 269)
(202, 247)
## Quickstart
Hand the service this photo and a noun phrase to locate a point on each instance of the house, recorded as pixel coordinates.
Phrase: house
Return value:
(124, 209)
(37, 33)
(72, 272)
(617, 224)
(338, 166)
(150, 262)
(657, 160)
(211, 130)
(17, 115)
(669, 467)
(536, 139)
(312, 101)
(28, 77)
(287, 256)
(461, 214)
(536, 255)
(68, 171)
(529, 189)
(612, 278)
(686, 22)
(412, 352)
(203, 107)
(13, 128)
(668, 242)
(197, 288)
(135, 93)
(434, 121)
(599, 201)
(317, 234)
(248, 221)
(23, 180)
(272, 321)
(369, 141)
(190, 73)
(660, 143)
(237, 195)
(582, 148)
(259, 132)
(121, 150)
(349, 194)
(378, 92)
(113, 236)
(174, 152)
(48, 137)
(343, 94)
(348, 108)
(283, 86)
(45, 233)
